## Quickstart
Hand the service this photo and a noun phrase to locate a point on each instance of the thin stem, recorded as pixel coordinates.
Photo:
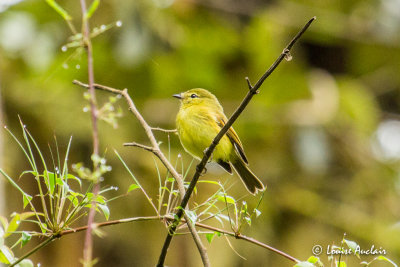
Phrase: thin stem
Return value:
(138, 184)
(164, 130)
(93, 103)
(248, 239)
(41, 196)
(41, 245)
(88, 246)
(254, 90)
(148, 148)
(108, 223)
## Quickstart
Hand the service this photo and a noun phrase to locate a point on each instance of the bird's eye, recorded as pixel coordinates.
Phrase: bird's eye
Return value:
(193, 96)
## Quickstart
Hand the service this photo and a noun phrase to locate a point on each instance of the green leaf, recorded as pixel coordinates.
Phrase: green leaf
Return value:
(313, 259)
(59, 9)
(73, 177)
(59, 181)
(92, 9)
(341, 264)
(13, 226)
(352, 245)
(26, 172)
(192, 215)
(132, 187)
(105, 210)
(209, 182)
(26, 215)
(383, 258)
(31, 161)
(25, 263)
(244, 207)
(101, 199)
(74, 200)
(26, 199)
(6, 255)
(304, 264)
(248, 220)
(25, 238)
(227, 199)
(43, 227)
(210, 237)
(50, 181)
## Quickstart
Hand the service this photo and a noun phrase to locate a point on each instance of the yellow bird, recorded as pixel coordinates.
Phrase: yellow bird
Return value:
(199, 120)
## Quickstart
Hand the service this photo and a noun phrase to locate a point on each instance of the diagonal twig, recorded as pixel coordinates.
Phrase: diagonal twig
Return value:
(207, 153)
(164, 130)
(148, 148)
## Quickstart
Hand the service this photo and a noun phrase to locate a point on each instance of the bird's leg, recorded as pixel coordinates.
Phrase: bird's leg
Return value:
(209, 160)
(203, 172)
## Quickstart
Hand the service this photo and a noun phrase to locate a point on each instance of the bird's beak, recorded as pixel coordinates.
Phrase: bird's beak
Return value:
(179, 96)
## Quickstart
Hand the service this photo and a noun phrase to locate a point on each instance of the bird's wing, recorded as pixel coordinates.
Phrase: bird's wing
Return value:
(233, 137)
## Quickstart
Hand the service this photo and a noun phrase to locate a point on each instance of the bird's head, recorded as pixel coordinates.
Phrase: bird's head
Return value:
(197, 96)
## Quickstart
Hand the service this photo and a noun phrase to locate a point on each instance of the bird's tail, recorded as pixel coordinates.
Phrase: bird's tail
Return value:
(252, 183)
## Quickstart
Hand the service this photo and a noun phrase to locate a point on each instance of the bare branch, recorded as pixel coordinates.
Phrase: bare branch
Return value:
(99, 86)
(170, 218)
(148, 148)
(88, 246)
(38, 247)
(108, 223)
(164, 130)
(210, 149)
(248, 83)
(248, 239)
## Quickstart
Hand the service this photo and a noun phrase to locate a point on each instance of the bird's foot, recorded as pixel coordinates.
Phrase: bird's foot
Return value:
(203, 172)
(211, 157)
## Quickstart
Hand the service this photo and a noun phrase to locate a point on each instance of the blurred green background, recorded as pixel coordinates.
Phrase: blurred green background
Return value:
(324, 133)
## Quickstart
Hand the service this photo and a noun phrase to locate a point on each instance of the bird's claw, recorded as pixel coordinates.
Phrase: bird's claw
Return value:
(211, 157)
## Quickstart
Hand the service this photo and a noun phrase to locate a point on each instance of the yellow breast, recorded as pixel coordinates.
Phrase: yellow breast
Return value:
(197, 127)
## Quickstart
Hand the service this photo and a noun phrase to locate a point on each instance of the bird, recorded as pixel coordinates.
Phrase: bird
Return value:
(199, 120)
